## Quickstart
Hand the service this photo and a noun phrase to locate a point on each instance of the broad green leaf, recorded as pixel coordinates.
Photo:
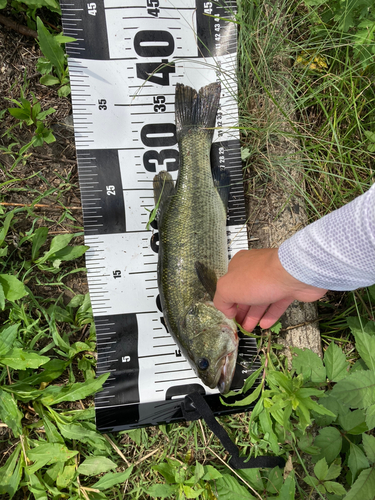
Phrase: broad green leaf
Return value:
(311, 481)
(53, 472)
(334, 406)
(7, 337)
(93, 466)
(266, 423)
(39, 239)
(9, 413)
(357, 390)
(13, 288)
(44, 66)
(335, 363)
(48, 453)
(3, 4)
(354, 422)
(66, 477)
(288, 489)
(336, 488)
(36, 487)
(10, 473)
(18, 359)
(20, 114)
(365, 345)
(359, 365)
(274, 480)
(333, 471)
(64, 39)
(51, 49)
(329, 441)
(369, 446)
(58, 243)
(370, 325)
(229, 488)
(275, 328)
(52, 5)
(166, 470)
(52, 434)
(49, 80)
(70, 253)
(43, 114)
(23, 392)
(80, 390)
(309, 364)
(253, 477)
(364, 487)
(321, 469)
(211, 473)
(161, 490)
(112, 478)
(250, 381)
(190, 492)
(80, 433)
(357, 460)
(51, 371)
(64, 91)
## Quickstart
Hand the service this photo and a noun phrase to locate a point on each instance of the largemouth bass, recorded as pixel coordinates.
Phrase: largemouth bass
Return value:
(193, 251)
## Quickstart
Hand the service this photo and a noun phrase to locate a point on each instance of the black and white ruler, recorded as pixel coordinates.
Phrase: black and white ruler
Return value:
(125, 63)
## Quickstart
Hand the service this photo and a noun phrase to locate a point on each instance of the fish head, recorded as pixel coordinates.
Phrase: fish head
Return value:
(212, 345)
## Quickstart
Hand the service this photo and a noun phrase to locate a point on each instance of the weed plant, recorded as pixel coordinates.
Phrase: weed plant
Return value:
(319, 413)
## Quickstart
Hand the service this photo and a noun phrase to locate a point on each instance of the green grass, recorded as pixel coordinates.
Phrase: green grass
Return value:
(47, 399)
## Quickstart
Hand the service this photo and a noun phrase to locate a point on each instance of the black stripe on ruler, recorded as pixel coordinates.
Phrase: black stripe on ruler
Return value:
(117, 340)
(101, 191)
(228, 154)
(87, 18)
(216, 36)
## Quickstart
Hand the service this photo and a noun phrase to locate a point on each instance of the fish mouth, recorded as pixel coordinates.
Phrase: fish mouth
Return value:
(227, 372)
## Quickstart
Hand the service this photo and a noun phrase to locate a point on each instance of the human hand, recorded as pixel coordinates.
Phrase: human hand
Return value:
(257, 289)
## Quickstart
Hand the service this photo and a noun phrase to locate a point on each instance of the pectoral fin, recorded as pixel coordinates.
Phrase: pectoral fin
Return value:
(207, 277)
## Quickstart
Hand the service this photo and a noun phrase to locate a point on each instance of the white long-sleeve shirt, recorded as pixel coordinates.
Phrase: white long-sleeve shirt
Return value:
(337, 252)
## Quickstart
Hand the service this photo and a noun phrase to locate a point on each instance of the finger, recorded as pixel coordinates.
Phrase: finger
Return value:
(229, 309)
(242, 310)
(274, 313)
(253, 317)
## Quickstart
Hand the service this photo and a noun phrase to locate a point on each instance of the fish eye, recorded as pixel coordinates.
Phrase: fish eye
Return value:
(203, 363)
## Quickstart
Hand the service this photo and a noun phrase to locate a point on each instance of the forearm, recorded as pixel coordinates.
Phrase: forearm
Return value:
(336, 252)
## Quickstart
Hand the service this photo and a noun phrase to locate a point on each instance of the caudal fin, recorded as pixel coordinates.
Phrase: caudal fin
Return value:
(196, 109)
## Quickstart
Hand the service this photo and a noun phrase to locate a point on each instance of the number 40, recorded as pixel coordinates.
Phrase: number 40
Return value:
(91, 9)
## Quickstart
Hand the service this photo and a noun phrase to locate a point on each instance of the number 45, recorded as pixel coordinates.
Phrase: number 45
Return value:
(91, 9)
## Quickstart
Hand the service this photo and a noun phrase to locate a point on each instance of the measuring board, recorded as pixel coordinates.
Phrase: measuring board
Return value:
(124, 65)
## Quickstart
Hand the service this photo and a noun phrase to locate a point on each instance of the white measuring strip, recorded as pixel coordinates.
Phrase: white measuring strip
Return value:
(128, 57)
